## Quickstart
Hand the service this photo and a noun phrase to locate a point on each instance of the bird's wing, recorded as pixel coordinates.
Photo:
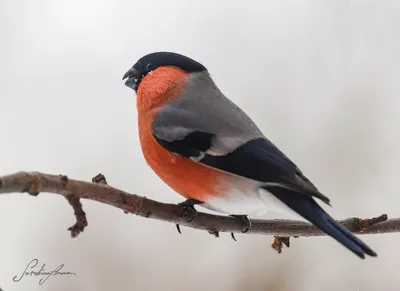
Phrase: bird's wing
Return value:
(205, 126)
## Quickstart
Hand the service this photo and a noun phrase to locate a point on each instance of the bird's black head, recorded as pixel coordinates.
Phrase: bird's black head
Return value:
(152, 61)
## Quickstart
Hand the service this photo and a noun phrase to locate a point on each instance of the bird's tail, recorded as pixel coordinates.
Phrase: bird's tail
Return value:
(310, 210)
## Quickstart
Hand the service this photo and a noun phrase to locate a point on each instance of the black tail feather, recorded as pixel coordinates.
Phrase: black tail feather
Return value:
(310, 210)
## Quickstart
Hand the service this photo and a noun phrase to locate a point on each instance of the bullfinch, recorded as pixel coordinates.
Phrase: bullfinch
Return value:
(209, 151)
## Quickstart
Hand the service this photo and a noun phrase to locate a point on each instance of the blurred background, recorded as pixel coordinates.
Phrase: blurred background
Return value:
(321, 78)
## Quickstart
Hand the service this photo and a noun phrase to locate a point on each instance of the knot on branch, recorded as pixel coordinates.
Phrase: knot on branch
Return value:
(34, 185)
(214, 232)
(64, 180)
(100, 179)
(363, 224)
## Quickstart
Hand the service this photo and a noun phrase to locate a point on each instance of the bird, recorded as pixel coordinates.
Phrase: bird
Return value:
(209, 151)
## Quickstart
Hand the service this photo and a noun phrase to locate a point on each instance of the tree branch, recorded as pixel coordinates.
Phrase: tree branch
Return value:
(73, 190)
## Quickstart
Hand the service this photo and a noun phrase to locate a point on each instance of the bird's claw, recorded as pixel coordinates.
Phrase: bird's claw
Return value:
(246, 222)
(244, 219)
(189, 211)
(233, 236)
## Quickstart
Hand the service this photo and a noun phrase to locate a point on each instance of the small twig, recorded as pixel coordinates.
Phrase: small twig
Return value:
(81, 221)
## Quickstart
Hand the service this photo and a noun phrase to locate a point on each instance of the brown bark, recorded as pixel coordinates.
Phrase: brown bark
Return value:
(98, 190)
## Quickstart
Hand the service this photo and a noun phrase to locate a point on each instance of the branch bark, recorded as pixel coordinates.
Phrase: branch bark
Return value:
(74, 190)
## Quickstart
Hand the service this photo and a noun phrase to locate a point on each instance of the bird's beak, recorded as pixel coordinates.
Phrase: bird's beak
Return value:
(132, 76)
(131, 72)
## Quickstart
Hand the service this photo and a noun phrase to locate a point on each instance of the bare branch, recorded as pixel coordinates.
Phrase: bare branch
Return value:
(74, 190)
(80, 215)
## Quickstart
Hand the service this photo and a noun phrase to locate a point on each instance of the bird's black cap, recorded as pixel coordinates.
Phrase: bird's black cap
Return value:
(152, 61)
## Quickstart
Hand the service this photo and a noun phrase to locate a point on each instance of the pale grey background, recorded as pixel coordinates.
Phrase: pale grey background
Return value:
(319, 77)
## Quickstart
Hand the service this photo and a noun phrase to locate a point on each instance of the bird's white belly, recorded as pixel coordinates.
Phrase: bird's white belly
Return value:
(247, 198)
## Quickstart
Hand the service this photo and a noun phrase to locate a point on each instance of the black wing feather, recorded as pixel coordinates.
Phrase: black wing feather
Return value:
(257, 159)
(193, 145)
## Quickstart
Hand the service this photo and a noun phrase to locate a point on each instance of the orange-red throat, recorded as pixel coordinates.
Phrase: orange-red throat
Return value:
(160, 87)
(185, 176)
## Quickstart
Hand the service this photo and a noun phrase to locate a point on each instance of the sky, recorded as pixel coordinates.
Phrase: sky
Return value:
(320, 78)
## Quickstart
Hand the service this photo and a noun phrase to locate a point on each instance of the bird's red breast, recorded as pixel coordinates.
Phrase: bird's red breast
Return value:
(186, 177)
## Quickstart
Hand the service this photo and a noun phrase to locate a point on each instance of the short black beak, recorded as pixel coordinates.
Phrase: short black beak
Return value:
(132, 76)
(131, 73)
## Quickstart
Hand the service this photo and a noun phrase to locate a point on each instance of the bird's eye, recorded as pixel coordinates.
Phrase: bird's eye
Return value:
(148, 67)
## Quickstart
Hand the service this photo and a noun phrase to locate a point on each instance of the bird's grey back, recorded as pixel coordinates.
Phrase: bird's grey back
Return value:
(203, 107)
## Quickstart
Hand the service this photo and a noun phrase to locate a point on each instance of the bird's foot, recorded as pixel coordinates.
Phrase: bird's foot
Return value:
(189, 211)
(246, 222)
